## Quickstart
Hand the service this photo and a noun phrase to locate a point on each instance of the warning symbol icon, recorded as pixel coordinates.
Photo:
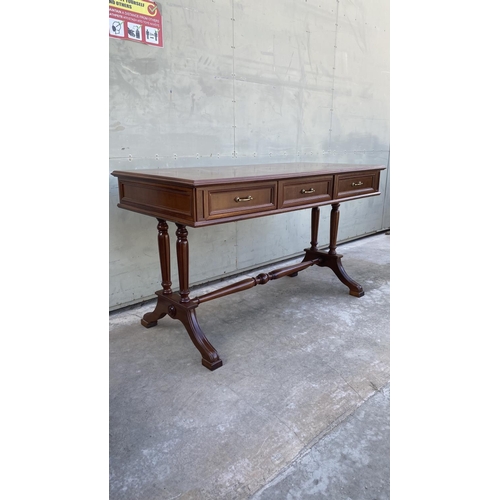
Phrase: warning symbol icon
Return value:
(152, 34)
(134, 31)
(116, 27)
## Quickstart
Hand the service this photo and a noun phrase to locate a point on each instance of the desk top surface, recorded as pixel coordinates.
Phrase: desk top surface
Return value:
(203, 175)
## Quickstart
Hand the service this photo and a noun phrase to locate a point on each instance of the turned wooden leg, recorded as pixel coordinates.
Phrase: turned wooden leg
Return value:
(164, 250)
(179, 305)
(331, 259)
(334, 228)
(314, 227)
(314, 232)
(151, 319)
(334, 262)
(183, 261)
(185, 310)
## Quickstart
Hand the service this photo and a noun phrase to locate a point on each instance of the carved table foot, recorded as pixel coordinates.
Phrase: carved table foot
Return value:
(185, 312)
(151, 319)
(209, 357)
(334, 262)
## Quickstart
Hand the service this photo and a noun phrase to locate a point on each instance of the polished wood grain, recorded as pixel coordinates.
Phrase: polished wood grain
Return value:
(356, 184)
(238, 199)
(332, 259)
(195, 176)
(261, 279)
(183, 261)
(164, 252)
(302, 190)
(207, 196)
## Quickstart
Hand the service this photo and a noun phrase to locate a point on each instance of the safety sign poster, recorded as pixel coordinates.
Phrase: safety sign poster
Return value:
(136, 20)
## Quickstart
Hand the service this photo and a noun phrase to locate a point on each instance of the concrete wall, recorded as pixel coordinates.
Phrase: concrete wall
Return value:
(243, 82)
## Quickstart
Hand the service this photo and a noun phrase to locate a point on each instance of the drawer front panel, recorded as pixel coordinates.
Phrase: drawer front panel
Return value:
(352, 185)
(223, 201)
(167, 200)
(304, 191)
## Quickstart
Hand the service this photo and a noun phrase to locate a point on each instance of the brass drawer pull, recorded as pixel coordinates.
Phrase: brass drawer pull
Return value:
(354, 184)
(307, 191)
(248, 198)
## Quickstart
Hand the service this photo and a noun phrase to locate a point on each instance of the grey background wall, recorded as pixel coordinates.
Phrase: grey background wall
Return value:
(242, 82)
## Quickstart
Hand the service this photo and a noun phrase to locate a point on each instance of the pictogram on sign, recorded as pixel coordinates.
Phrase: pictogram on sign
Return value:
(137, 20)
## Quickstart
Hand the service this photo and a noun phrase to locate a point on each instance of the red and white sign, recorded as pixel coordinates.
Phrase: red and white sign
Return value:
(136, 20)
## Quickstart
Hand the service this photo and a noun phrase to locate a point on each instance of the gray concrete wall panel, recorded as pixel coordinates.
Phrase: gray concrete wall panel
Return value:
(243, 82)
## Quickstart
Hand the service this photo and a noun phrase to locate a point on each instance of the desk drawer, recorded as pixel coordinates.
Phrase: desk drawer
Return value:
(224, 201)
(304, 191)
(352, 185)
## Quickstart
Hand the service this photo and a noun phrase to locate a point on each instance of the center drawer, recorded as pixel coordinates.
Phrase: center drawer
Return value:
(306, 190)
(238, 199)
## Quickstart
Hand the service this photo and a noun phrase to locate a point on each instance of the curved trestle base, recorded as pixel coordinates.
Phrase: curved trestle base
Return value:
(334, 262)
(185, 312)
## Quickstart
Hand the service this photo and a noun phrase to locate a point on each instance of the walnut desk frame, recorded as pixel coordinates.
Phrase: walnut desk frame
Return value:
(206, 196)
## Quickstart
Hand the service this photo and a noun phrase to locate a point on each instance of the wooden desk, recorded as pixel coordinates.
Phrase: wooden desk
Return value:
(214, 195)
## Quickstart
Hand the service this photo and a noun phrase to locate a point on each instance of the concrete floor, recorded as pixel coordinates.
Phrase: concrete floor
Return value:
(300, 408)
